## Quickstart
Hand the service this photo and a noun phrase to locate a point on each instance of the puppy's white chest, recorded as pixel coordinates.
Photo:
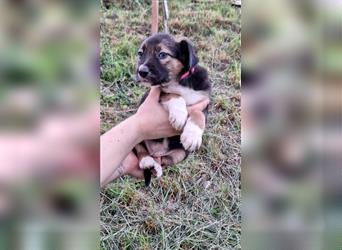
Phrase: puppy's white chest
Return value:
(189, 95)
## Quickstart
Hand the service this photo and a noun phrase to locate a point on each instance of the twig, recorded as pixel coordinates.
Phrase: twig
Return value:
(166, 16)
(154, 18)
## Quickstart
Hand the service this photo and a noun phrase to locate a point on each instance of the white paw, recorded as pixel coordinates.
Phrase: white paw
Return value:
(177, 112)
(178, 118)
(191, 137)
(148, 162)
(158, 169)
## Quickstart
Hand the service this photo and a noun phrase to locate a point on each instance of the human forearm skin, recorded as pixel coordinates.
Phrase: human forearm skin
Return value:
(116, 145)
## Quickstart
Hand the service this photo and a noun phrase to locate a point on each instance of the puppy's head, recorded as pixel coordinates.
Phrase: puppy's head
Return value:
(161, 59)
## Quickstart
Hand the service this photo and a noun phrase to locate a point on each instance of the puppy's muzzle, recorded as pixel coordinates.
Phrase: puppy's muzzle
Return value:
(143, 71)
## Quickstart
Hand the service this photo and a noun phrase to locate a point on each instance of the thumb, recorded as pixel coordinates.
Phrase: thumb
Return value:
(154, 94)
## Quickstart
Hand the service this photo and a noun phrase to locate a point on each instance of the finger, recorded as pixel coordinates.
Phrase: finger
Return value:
(200, 105)
(137, 173)
(154, 94)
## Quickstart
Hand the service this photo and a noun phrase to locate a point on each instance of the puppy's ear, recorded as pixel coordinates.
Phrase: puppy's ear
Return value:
(187, 54)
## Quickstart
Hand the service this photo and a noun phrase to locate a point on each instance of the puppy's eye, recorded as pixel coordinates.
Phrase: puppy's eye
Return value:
(140, 53)
(162, 55)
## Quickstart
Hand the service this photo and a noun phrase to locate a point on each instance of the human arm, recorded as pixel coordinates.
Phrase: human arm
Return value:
(150, 122)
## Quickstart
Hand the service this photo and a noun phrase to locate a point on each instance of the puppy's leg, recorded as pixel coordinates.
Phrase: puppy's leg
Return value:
(173, 157)
(146, 161)
(176, 107)
(141, 151)
(191, 137)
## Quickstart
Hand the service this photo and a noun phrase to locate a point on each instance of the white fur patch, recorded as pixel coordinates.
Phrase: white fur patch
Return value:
(159, 170)
(191, 137)
(190, 96)
(177, 112)
(148, 162)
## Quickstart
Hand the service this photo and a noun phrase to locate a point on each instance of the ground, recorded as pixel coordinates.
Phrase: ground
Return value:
(196, 204)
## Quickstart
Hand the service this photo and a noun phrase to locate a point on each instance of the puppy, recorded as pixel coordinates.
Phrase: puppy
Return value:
(172, 65)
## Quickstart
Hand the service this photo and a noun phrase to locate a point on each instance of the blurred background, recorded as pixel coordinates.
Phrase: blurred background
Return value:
(49, 124)
(291, 125)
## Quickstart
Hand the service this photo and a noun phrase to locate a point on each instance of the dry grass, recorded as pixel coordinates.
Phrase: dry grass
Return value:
(196, 203)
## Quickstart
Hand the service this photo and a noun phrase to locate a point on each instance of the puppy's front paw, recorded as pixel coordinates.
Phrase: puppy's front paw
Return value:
(177, 112)
(148, 162)
(191, 137)
(178, 118)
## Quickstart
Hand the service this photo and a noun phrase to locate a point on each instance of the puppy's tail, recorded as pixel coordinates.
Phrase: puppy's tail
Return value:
(147, 177)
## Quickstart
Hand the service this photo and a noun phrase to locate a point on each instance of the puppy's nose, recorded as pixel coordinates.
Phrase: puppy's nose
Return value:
(143, 71)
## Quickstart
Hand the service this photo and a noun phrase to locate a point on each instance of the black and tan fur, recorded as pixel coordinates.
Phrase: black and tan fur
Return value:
(172, 65)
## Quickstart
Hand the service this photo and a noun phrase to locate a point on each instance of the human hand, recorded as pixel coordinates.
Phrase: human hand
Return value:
(153, 119)
(130, 166)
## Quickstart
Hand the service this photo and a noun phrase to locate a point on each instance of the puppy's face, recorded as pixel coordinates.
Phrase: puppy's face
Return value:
(161, 59)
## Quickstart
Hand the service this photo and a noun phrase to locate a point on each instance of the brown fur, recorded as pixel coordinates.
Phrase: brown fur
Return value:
(164, 97)
(173, 157)
(173, 65)
(198, 118)
(156, 148)
(141, 151)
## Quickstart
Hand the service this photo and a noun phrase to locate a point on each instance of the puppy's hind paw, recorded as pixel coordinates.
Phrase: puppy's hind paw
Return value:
(147, 162)
(159, 170)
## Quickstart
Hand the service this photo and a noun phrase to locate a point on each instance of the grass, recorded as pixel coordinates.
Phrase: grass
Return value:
(196, 205)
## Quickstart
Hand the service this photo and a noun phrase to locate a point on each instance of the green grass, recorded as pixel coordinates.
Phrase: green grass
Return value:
(196, 204)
